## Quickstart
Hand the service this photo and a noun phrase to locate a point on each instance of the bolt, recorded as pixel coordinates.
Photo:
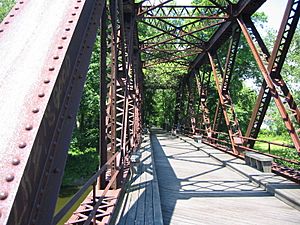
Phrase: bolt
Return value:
(22, 145)
(46, 81)
(3, 195)
(35, 110)
(10, 177)
(15, 162)
(28, 127)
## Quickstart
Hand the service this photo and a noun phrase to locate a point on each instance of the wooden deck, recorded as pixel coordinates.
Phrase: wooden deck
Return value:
(141, 203)
(195, 188)
(180, 182)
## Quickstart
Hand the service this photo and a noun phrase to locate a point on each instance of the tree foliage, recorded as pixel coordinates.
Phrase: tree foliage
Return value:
(5, 6)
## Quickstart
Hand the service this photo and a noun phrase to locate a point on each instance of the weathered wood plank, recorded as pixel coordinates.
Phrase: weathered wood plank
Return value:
(197, 189)
(141, 204)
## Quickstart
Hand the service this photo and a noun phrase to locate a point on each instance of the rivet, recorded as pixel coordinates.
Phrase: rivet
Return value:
(51, 69)
(22, 145)
(73, 14)
(7, 22)
(3, 195)
(12, 15)
(46, 81)
(67, 29)
(70, 21)
(15, 162)
(9, 177)
(60, 47)
(1, 30)
(41, 95)
(21, 2)
(35, 110)
(16, 8)
(28, 127)
(64, 38)
(56, 57)
(76, 7)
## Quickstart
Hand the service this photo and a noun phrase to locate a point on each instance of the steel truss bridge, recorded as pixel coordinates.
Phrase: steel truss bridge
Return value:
(45, 53)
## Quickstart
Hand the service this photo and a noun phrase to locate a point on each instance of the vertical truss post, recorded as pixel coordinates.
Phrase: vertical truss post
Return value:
(103, 95)
(203, 91)
(227, 73)
(118, 91)
(179, 102)
(190, 121)
(271, 73)
(137, 81)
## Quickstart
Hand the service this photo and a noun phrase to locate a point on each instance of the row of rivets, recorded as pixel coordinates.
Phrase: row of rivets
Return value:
(11, 15)
(46, 81)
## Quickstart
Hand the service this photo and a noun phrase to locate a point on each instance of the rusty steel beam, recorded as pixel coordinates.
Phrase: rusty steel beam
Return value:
(234, 131)
(227, 72)
(190, 122)
(284, 37)
(182, 12)
(177, 35)
(51, 72)
(271, 82)
(243, 7)
(173, 31)
(185, 34)
(103, 95)
(170, 60)
(142, 11)
(203, 88)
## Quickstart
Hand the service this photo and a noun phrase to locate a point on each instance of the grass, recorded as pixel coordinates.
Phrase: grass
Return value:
(288, 153)
(79, 168)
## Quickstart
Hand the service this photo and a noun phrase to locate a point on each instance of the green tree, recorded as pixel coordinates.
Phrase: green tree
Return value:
(5, 7)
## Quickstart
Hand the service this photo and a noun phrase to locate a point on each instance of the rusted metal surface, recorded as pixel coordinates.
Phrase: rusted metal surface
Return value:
(272, 83)
(45, 112)
(274, 66)
(103, 215)
(47, 66)
(181, 12)
(203, 82)
(227, 106)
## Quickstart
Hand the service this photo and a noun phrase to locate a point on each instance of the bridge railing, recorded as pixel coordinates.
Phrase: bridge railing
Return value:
(91, 182)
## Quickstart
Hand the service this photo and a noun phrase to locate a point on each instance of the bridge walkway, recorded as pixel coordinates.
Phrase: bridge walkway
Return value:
(195, 188)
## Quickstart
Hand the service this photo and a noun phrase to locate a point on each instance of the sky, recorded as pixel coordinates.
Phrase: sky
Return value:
(274, 9)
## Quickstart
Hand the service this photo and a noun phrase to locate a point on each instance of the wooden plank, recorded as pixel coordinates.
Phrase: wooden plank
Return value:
(149, 217)
(196, 189)
(141, 204)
